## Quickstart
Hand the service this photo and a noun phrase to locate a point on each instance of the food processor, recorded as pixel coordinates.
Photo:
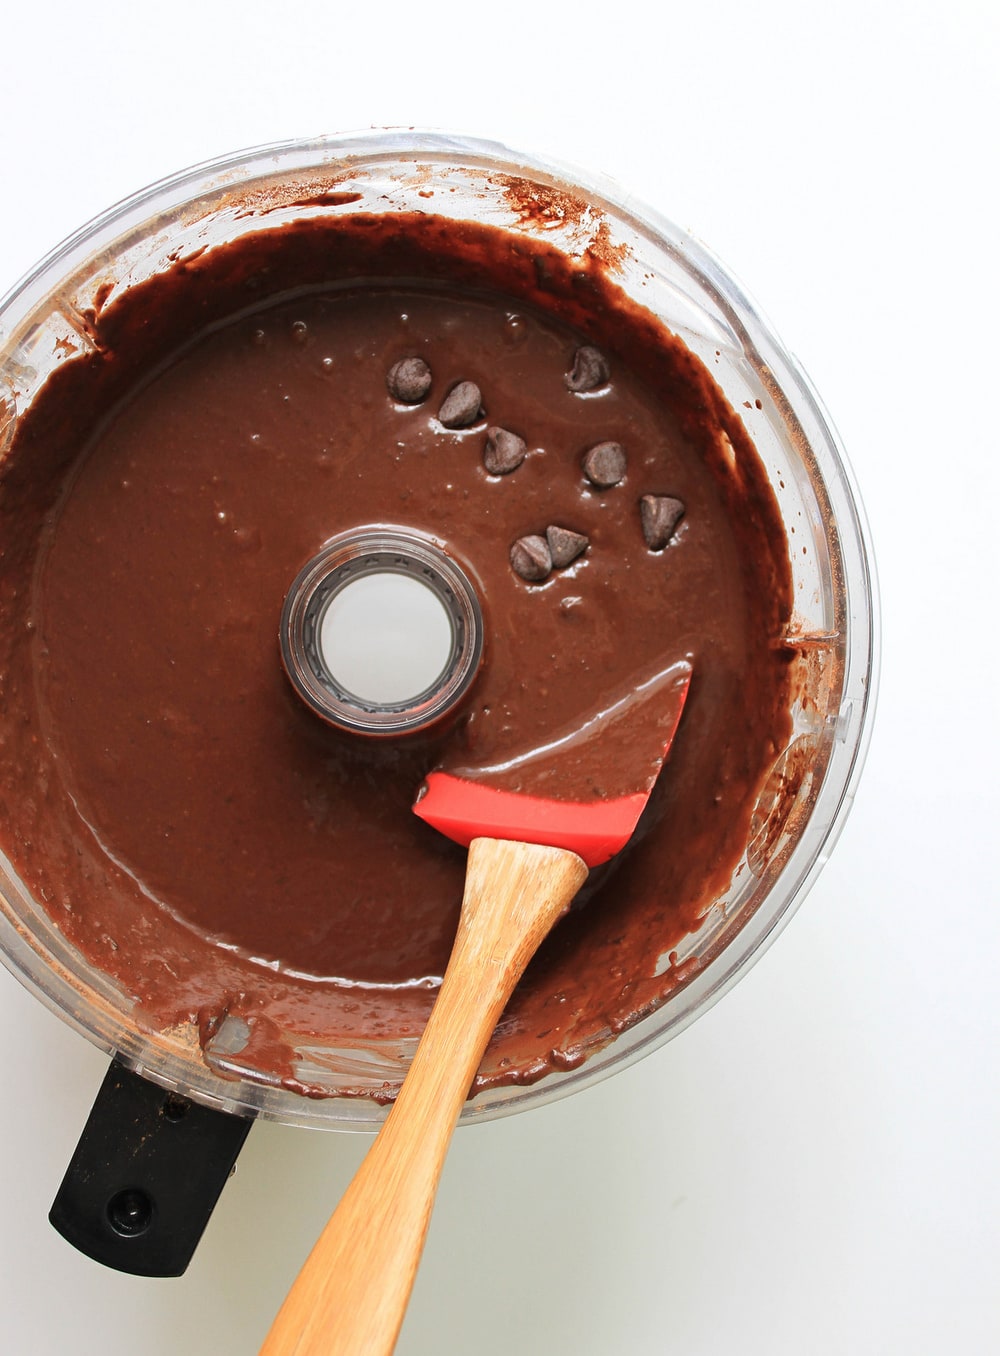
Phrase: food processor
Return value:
(176, 1107)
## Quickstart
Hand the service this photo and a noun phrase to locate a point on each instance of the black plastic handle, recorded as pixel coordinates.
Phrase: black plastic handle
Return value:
(145, 1176)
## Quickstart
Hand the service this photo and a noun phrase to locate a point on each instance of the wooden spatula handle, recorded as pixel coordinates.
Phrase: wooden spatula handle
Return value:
(350, 1296)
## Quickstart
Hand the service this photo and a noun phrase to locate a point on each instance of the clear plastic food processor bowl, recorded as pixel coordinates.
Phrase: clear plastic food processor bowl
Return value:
(834, 627)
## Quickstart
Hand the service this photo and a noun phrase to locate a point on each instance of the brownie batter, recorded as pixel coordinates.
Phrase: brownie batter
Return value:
(202, 837)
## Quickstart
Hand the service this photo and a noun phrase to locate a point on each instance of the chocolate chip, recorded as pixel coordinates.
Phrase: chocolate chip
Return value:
(565, 545)
(504, 451)
(604, 465)
(660, 515)
(590, 371)
(531, 559)
(461, 405)
(409, 380)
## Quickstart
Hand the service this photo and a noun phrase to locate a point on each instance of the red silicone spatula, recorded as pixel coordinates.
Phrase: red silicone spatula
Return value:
(528, 856)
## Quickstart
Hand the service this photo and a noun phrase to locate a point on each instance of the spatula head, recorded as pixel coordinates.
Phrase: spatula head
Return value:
(465, 805)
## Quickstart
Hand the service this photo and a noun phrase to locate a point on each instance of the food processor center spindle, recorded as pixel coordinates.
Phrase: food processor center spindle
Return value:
(382, 632)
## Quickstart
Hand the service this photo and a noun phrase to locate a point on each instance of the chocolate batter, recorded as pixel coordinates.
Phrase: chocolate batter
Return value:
(193, 829)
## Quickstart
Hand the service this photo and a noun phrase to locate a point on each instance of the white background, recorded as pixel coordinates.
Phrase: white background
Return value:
(812, 1167)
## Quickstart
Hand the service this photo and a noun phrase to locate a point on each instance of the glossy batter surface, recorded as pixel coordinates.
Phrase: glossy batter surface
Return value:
(198, 832)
